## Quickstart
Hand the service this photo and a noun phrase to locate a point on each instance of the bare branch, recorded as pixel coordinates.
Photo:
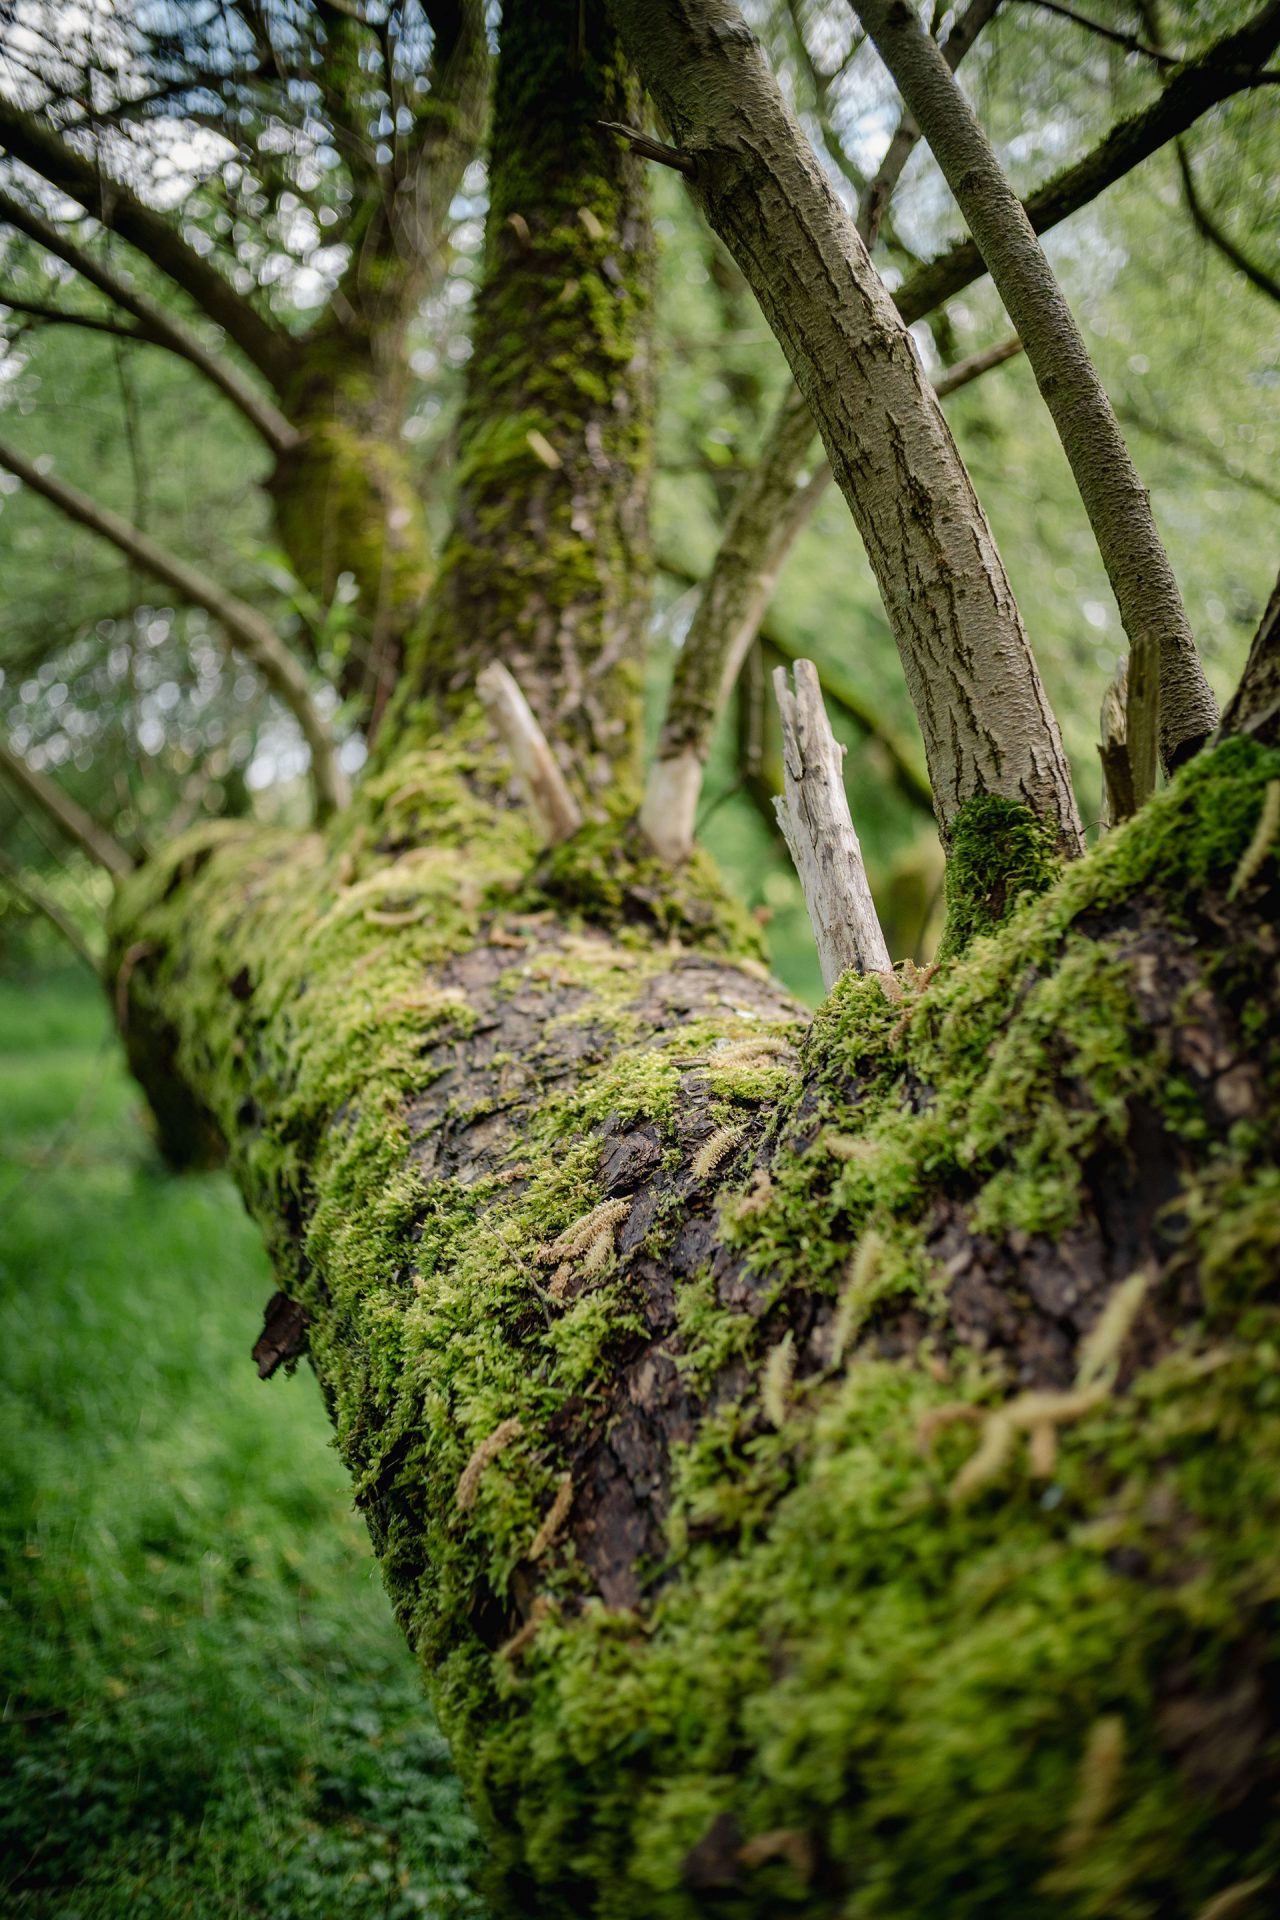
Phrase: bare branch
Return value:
(539, 774)
(78, 176)
(771, 507)
(67, 814)
(155, 323)
(647, 148)
(1208, 229)
(1230, 66)
(813, 812)
(60, 317)
(1129, 41)
(25, 887)
(246, 628)
(880, 190)
(1254, 707)
(1162, 647)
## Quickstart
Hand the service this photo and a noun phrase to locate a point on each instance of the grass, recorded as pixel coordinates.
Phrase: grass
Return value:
(207, 1709)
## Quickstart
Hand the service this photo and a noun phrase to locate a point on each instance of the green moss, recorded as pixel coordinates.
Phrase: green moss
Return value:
(835, 1649)
(547, 556)
(998, 854)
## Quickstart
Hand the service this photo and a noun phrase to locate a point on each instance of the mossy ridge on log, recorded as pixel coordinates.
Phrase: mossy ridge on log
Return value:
(769, 1658)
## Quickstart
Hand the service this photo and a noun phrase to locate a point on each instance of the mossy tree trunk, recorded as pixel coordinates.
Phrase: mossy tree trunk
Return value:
(823, 1465)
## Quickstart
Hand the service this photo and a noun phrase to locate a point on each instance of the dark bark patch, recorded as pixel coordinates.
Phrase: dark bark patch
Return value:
(283, 1337)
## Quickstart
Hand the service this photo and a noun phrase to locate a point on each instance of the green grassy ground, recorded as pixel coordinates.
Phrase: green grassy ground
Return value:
(207, 1710)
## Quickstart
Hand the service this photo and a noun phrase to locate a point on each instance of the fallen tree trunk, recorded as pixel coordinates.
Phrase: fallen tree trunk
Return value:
(822, 1467)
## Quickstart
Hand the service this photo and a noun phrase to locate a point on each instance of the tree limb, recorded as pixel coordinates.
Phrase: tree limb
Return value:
(155, 322)
(771, 507)
(60, 317)
(545, 787)
(880, 190)
(1208, 229)
(27, 139)
(1230, 66)
(246, 628)
(1129, 41)
(27, 888)
(1163, 651)
(67, 814)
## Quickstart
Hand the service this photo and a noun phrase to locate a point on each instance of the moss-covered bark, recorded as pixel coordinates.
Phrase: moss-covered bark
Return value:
(547, 565)
(827, 1471)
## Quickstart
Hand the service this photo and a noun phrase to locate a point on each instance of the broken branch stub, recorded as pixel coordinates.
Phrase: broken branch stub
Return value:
(813, 813)
(544, 785)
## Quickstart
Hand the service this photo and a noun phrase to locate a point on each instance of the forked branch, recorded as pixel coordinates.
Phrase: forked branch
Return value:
(1231, 65)
(813, 812)
(987, 726)
(248, 631)
(1162, 648)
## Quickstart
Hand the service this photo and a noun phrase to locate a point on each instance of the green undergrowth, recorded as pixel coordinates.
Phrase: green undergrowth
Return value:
(206, 1711)
(850, 1690)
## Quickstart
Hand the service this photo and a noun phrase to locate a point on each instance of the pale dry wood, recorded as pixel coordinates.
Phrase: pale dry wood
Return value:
(813, 812)
(545, 786)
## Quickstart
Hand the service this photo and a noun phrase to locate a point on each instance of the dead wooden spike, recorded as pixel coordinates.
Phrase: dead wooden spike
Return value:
(648, 148)
(545, 787)
(813, 813)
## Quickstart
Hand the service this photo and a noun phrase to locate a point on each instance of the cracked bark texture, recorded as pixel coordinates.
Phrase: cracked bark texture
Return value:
(987, 725)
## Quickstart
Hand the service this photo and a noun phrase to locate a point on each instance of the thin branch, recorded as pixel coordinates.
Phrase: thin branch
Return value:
(26, 888)
(773, 503)
(1208, 229)
(155, 322)
(880, 190)
(67, 814)
(813, 812)
(1199, 447)
(1162, 649)
(1128, 41)
(246, 628)
(110, 201)
(1230, 66)
(60, 317)
(648, 148)
(540, 776)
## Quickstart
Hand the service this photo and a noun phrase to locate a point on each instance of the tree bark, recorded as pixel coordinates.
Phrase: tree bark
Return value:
(987, 726)
(1142, 580)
